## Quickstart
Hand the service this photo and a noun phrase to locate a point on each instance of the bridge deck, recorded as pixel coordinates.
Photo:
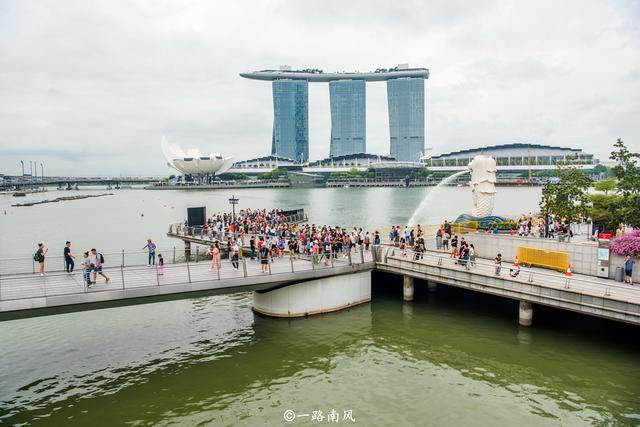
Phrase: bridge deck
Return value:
(589, 295)
(22, 292)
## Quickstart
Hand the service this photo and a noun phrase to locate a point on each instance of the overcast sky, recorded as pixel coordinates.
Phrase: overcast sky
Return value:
(90, 87)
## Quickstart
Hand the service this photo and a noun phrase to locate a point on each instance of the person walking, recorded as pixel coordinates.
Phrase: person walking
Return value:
(39, 257)
(263, 253)
(97, 260)
(151, 247)
(628, 269)
(160, 265)
(445, 241)
(439, 239)
(498, 263)
(472, 255)
(215, 256)
(252, 247)
(68, 258)
(235, 254)
(88, 267)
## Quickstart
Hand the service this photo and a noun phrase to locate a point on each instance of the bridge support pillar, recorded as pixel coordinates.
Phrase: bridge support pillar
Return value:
(525, 313)
(315, 296)
(407, 288)
(432, 286)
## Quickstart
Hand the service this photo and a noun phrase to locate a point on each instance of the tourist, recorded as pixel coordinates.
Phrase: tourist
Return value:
(376, 238)
(88, 267)
(620, 230)
(68, 258)
(234, 254)
(439, 238)
(160, 265)
(498, 263)
(445, 241)
(472, 255)
(454, 246)
(628, 269)
(97, 260)
(252, 247)
(263, 253)
(151, 247)
(214, 252)
(367, 242)
(39, 257)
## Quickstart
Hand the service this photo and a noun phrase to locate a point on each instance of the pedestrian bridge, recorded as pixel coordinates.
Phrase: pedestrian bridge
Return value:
(29, 295)
(294, 286)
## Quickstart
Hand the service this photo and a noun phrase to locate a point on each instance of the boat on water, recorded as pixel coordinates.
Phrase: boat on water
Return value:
(19, 194)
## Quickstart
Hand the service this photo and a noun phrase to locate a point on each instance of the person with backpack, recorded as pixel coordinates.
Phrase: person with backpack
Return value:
(263, 253)
(39, 256)
(151, 247)
(97, 259)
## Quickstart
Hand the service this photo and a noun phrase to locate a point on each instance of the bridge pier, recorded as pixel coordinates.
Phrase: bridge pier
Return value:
(525, 313)
(432, 286)
(315, 296)
(407, 288)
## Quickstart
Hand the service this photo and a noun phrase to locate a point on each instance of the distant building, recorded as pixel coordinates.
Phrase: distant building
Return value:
(406, 118)
(405, 87)
(290, 136)
(512, 157)
(348, 111)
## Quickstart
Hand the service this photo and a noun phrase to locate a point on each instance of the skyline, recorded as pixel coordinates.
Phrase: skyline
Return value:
(92, 88)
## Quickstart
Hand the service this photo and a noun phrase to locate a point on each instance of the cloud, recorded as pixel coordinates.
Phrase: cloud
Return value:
(90, 87)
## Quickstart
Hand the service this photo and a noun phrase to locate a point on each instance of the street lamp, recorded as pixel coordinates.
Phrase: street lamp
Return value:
(234, 201)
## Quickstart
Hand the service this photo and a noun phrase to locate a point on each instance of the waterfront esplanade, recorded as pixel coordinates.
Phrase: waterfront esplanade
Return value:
(347, 95)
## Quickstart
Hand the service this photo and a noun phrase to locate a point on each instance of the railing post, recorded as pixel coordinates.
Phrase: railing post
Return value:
(121, 275)
(155, 267)
(188, 270)
(269, 264)
(291, 260)
(218, 269)
(349, 255)
(174, 254)
(122, 258)
(244, 266)
(331, 254)
(33, 266)
(361, 255)
(197, 252)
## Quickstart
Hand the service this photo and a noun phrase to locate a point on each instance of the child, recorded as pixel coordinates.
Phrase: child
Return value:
(160, 265)
(498, 263)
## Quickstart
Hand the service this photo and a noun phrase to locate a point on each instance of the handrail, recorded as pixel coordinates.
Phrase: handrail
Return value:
(529, 273)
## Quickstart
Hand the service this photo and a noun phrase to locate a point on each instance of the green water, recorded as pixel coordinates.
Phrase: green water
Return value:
(449, 358)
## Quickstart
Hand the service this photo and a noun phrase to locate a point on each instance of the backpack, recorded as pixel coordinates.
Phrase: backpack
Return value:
(36, 256)
(101, 258)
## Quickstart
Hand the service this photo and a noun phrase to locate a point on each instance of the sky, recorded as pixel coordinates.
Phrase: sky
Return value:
(90, 87)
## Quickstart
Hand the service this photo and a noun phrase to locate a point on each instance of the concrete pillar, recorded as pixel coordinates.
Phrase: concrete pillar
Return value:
(407, 288)
(432, 286)
(525, 313)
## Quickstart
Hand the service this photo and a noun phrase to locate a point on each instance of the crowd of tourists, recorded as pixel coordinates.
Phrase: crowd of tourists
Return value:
(268, 242)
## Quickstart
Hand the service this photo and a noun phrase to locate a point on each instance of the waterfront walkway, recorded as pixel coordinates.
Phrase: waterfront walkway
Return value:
(25, 295)
(580, 293)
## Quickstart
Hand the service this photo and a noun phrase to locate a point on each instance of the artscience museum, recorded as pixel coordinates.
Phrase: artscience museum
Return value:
(193, 162)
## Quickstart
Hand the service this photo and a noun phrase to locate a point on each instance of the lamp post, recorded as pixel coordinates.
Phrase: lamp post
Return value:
(234, 201)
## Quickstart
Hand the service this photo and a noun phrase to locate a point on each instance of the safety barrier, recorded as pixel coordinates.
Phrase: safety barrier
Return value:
(555, 260)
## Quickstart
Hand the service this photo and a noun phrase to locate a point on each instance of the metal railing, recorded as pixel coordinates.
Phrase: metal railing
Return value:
(197, 269)
(602, 287)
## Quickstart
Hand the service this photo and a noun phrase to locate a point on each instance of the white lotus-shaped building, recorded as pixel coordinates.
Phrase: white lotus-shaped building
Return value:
(193, 162)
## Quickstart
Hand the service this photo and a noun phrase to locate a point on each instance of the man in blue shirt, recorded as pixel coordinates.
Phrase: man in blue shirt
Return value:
(628, 269)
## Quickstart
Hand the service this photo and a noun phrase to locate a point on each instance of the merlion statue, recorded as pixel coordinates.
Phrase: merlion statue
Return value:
(483, 185)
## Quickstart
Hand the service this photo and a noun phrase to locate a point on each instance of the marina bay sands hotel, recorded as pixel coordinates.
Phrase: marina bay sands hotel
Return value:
(347, 91)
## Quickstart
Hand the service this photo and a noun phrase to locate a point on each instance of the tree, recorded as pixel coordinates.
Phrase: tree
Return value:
(568, 197)
(605, 210)
(627, 171)
(606, 185)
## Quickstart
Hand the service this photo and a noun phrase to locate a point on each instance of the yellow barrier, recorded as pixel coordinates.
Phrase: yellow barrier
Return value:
(543, 258)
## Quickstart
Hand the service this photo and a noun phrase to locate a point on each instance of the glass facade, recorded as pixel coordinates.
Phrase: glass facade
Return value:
(406, 118)
(290, 136)
(348, 112)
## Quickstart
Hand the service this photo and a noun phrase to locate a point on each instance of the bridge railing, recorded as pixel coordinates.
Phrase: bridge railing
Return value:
(28, 286)
(598, 287)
